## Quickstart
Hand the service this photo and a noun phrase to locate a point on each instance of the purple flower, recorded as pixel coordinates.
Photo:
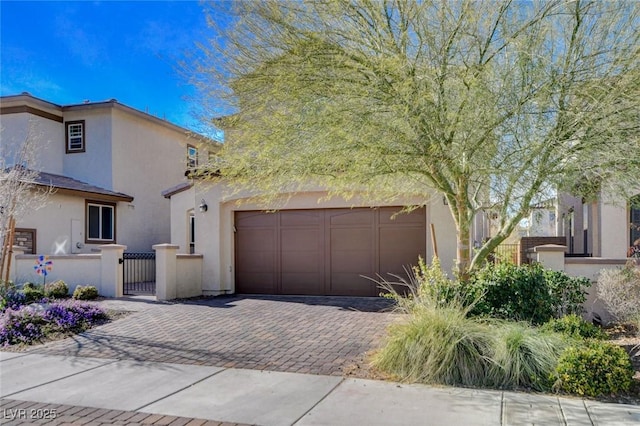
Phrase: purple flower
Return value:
(30, 323)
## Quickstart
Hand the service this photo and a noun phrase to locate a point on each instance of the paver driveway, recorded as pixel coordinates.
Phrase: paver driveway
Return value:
(319, 335)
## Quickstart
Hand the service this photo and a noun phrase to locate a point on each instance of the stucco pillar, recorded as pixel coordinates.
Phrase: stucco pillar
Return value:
(15, 251)
(166, 277)
(111, 270)
(551, 256)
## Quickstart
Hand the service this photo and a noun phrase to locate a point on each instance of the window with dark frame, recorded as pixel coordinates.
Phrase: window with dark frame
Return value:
(100, 222)
(75, 136)
(192, 233)
(192, 156)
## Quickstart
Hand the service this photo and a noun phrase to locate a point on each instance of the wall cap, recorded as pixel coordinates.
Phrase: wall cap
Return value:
(594, 261)
(165, 246)
(547, 247)
(79, 256)
(189, 256)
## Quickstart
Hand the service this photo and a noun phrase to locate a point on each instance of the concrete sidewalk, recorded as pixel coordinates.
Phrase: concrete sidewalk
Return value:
(182, 393)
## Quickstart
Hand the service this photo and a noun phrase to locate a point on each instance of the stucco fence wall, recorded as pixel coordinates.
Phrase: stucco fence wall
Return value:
(552, 256)
(177, 275)
(74, 270)
(102, 270)
(188, 275)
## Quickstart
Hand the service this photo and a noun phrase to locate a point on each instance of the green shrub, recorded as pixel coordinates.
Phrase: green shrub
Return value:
(524, 356)
(32, 292)
(524, 293)
(594, 368)
(512, 292)
(575, 327)
(568, 294)
(85, 292)
(56, 289)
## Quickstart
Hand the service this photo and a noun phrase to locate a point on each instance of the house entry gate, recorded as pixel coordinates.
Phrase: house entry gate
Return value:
(139, 270)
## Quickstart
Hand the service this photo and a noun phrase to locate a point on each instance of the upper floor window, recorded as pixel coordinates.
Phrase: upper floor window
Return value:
(100, 222)
(192, 156)
(75, 141)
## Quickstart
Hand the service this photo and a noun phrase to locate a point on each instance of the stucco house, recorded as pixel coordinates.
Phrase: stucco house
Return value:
(604, 228)
(310, 244)
(107, 164)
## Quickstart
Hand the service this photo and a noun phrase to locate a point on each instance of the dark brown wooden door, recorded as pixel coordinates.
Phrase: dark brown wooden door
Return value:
(325, 251)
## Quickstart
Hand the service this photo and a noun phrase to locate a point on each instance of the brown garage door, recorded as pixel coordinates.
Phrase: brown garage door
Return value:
(324, 251)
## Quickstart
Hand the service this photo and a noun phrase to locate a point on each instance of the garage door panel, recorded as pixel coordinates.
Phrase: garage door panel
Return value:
(301, 217)
(302, 283)
(414, 217)
(300, 239)
(256, 261)
(359, 262)
(301, 261)
(256, 240)
(260, 283)
(349, 217)
(351, 239)
(395, 263)
(401, 238)
(255, 219)
(349, 284)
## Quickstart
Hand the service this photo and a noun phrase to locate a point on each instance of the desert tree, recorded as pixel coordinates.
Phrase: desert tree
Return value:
(494, 105)
(20, 190)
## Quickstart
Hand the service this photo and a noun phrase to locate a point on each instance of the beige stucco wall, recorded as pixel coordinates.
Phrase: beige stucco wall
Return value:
(54, 221)
(215, 237)
(188, 275)
(147, 159)
(94, 165)
(48, 136)
(590, 268)
(182, 205)
(74, 270)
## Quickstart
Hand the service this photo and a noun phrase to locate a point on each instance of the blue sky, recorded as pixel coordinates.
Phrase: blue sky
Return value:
(68, 52)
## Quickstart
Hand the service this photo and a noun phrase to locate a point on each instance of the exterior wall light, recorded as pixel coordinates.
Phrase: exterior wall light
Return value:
(203, 206)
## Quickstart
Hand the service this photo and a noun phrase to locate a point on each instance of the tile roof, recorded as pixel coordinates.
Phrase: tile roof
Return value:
(65, 184)
(167, 193)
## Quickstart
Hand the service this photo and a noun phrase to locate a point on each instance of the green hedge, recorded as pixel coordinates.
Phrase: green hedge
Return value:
(524, 293)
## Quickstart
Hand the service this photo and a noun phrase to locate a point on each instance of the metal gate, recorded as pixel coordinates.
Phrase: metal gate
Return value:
(139, 271)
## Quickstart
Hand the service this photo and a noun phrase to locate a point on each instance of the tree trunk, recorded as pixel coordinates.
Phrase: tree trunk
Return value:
(463, 251)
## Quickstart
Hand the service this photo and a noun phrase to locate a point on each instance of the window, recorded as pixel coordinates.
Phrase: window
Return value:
(74, 136)
(100, 222)
(192, 233)
(192, 156)
(26, 238)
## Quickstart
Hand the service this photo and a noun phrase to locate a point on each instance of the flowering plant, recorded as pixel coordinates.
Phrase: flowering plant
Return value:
(30, 323)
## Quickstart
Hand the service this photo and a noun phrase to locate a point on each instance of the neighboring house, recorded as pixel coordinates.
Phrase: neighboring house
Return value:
(541, 222)
(107, 164)
(604, 228)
